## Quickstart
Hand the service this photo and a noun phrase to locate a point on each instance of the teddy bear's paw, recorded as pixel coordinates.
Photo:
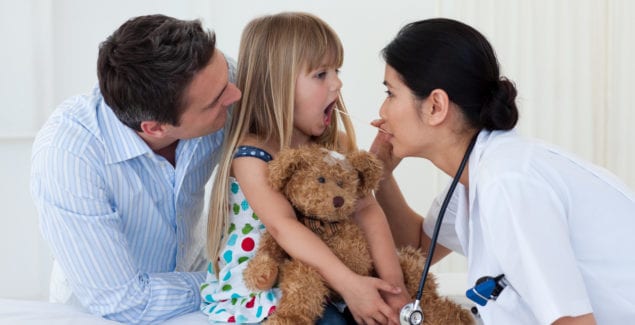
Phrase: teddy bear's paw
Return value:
(440, 311)
(261, 277)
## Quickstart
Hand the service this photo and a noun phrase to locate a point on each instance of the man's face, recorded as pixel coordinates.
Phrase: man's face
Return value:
(206, 100)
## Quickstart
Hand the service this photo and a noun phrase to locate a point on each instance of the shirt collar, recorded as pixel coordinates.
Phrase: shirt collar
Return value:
(121, 142)
(485, 140)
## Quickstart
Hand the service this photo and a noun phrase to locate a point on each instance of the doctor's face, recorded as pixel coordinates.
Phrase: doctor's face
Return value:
(402, 118)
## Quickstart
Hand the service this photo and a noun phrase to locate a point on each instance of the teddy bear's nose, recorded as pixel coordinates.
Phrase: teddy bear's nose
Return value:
(338, 201)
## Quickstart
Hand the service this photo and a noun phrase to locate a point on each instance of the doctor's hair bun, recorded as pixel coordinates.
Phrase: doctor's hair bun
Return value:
(500, 111)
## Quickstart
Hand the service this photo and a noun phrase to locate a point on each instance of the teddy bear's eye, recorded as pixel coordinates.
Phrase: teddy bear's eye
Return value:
(321, 179)
(340, 184)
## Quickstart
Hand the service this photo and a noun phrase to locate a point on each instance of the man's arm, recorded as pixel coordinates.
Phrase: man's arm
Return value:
(86, 236)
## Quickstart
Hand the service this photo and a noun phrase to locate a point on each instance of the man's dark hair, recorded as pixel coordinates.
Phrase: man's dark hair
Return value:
(145, 66)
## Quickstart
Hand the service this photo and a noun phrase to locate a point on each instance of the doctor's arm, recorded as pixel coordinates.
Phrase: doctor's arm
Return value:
(405, 224)
(586, 319)
(85, 234)
(515, 226)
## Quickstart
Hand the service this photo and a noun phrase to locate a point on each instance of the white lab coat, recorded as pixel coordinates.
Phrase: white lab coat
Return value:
(560, 229)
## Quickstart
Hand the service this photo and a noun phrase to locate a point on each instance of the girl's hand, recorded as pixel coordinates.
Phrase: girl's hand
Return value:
(382, 148)
(363, 296)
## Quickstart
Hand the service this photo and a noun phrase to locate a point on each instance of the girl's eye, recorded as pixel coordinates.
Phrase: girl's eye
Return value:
(388, 93)
(321, 75)
(321, 179)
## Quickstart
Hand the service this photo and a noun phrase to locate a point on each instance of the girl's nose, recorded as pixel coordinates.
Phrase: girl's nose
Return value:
(336, 84)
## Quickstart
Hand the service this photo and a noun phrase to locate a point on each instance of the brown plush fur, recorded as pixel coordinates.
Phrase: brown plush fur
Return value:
(326, 188)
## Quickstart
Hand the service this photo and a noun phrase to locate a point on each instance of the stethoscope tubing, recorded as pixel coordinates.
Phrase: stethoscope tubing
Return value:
(444, 206)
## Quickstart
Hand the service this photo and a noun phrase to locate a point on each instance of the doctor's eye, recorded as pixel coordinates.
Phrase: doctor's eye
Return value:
(321, 179)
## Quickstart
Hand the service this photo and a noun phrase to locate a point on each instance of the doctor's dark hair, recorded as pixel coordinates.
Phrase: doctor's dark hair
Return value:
(446, 54)
(146, 65)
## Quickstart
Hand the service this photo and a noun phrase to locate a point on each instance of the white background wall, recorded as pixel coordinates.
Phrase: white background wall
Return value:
(572, 61)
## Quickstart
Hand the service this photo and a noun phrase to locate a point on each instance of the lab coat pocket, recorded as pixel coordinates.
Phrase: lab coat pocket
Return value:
(508, 299)
(513, 307)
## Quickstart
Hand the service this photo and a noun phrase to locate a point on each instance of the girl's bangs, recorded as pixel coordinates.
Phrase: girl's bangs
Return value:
(323, 49)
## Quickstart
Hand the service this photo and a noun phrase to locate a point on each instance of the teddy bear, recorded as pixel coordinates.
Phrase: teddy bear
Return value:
(323, 186)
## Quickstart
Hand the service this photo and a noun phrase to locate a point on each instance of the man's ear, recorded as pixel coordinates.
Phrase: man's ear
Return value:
(439, 104)
(153, 129)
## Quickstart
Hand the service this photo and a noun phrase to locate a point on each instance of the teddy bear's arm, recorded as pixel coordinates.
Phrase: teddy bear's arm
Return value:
(262, 271)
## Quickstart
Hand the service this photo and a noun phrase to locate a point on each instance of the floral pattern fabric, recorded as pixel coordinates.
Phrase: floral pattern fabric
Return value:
(226, 299)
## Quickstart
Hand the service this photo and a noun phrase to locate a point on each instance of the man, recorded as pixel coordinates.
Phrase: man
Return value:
(118, 175)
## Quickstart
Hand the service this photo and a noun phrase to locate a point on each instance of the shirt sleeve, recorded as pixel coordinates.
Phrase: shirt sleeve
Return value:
(525, 226)
(85, 234)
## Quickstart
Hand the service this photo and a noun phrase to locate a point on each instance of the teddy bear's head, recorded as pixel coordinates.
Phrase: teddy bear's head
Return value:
(324, 184)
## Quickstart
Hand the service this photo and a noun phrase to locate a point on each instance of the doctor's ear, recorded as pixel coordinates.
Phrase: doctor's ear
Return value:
(438, 105)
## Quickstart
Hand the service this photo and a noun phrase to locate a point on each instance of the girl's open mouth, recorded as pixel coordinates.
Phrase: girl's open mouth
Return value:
(328, 111)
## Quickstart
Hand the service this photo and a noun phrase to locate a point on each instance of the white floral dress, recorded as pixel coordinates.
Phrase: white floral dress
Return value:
(226, 299)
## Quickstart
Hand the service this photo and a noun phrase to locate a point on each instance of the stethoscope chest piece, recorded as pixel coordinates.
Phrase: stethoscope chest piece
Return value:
(411, 314)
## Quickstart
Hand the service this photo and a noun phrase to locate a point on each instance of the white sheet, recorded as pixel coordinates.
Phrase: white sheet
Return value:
(31, 312)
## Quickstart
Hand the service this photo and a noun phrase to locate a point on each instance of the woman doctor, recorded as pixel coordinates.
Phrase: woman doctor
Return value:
(560, 230)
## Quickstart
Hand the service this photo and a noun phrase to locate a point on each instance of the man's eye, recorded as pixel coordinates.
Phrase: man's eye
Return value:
(321, 179)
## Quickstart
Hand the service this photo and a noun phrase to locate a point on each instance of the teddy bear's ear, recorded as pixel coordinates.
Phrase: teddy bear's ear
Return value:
(369, 169)
(285, 164)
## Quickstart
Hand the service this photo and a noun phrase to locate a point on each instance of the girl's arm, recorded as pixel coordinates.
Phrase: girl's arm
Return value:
(360, 293)
(371, 219)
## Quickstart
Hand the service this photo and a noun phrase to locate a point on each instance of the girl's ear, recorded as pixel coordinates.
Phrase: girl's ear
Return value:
(438, 104)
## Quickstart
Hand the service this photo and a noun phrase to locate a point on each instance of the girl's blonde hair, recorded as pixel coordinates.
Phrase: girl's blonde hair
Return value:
(273, 51)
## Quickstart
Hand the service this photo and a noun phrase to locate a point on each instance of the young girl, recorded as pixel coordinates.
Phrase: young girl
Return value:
(291, 93)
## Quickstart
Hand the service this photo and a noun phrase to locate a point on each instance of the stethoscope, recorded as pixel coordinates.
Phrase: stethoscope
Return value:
(411, 314)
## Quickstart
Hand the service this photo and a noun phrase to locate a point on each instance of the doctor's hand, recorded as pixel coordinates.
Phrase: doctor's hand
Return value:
(382, 148)
(363, 296)
(397, 301)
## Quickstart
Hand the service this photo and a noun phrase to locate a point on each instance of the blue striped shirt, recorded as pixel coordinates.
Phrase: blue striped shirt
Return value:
(124, 225)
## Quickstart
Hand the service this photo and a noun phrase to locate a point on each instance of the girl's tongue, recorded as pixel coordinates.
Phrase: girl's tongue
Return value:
(327, 114)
